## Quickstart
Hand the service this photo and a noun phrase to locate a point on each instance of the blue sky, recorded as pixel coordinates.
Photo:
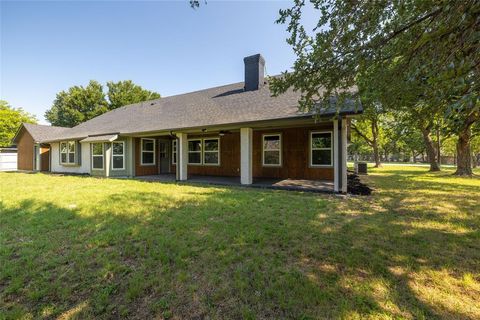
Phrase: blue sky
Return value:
(167, 47)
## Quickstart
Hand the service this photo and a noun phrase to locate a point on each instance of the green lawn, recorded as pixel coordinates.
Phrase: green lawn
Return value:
(78, 247)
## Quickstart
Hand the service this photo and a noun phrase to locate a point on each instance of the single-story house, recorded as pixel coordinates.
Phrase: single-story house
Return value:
(236, 130)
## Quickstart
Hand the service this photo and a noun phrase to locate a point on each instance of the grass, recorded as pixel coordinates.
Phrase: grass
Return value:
(87, 248)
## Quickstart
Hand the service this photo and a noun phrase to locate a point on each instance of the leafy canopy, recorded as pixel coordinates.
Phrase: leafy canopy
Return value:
(393, 46)
(79, 104)
(10, 120)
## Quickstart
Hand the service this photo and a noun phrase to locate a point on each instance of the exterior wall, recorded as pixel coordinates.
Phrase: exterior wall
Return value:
(25, 151)
(145, 170)
(84, 166)
(229, 157)
(45, 158)
(295, 155)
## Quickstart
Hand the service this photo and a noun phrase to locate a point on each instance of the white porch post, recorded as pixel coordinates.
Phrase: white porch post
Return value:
(336, 164)
(108, 157)
(344, 156)
(246, 141)
(182, 156)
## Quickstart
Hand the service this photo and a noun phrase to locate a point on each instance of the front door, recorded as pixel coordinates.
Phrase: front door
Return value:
(164, 156)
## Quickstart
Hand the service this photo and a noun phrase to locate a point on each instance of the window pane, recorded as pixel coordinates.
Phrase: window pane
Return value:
(147, 157)
(271, 157)
(174, 158)
(118, 148)
(64, 157)
(211, 145)
(63, 147)
(271, 143)
(195, 145)
(97, 162)
(321, 157)
(117, 162)
(148, 145)
(194, 157)
(211, 157)
(321, 140)
(97, 149)
(71, 158)
(71, 146)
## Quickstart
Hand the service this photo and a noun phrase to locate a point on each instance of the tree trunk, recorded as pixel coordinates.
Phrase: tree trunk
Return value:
(439, 148)
(430, 149)
(464, 155)
(376, 154)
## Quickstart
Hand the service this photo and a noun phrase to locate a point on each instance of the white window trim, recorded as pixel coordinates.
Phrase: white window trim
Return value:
(68, 152)
(279, 150)
(118, 155)
(205, 151)
(311, 150)
(103, 156)
(142, 151)
(201, 152)
(174, 151)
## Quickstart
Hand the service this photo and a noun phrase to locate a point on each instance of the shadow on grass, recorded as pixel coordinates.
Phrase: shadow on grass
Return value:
(227, 253)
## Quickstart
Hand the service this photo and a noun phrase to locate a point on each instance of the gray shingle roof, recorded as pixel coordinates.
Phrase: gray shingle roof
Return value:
(41, 133)
(228, 104)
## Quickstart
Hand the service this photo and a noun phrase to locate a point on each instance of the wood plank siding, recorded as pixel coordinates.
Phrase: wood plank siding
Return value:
(145, 170)
(295, 156)
(229, 157)
(45, 158)
(25, 151)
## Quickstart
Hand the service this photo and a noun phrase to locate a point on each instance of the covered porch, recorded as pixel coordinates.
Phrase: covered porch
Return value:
(302, 155)
(323, 186)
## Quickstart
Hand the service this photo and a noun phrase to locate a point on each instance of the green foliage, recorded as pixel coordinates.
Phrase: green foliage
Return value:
(391, 45)
(123, 93)
(79, 104)
(10, 120)
(419, 55)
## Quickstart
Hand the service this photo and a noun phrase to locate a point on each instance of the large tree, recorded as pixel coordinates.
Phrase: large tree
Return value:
(10, 120)
(79, 104)
(434, 42)
(123, 93)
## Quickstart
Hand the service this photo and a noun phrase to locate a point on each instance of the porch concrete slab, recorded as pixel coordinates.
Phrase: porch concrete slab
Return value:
(279, 184)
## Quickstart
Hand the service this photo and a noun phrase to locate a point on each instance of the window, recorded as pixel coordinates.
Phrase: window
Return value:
(174, 151)
(321, 149)
(195, 151)
(97, 156)
(67, 152)
(272, 150)
(118, 155)
(211, 151)
(63, 152)
(148, 151)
